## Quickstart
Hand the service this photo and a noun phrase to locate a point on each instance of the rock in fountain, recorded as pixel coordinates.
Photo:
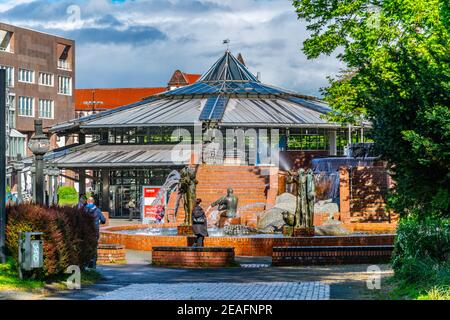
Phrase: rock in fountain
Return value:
(326, 206)
(331, 228)
(238, 230)
(271, 220)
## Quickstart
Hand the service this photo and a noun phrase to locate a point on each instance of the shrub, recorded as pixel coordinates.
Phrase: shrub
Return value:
(67, 195)
(422, 249)
(69, 235)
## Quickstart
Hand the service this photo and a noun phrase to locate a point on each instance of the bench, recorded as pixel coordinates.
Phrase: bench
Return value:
(331, 255)
(193, 257)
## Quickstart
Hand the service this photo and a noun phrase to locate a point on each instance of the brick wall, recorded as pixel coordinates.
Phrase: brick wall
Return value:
(363, 192)
(305, 256)
(192, 257)
(305, 157)
(110, 254)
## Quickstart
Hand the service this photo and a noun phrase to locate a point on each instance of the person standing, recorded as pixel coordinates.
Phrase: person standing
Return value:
(81, 201)
(131, 207)
(199, 224)
(98, 216)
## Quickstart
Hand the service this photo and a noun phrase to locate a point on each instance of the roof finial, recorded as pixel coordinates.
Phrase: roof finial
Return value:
(227, 42)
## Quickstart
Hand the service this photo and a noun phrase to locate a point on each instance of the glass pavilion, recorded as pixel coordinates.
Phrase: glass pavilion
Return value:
(134, 145)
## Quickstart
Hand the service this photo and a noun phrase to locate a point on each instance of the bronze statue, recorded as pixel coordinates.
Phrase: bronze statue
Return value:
(187, 190)
(310, 199)
(227, 204)
(305, 195)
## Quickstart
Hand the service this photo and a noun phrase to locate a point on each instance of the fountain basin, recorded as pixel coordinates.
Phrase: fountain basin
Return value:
(245, 245)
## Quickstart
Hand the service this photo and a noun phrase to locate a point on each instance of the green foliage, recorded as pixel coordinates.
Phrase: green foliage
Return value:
(67, 195)
(70, 236)
(397, 76)
(421, 257)
(9, 278)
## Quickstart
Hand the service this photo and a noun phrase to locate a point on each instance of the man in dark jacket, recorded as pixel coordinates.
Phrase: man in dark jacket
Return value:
(199, 224)
(93, 210)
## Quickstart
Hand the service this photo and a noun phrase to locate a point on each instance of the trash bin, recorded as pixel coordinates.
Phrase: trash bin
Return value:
(31, 250)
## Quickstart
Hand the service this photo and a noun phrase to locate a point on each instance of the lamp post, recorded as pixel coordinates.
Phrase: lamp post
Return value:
(2, 164)
(18, 166)
(39, 144)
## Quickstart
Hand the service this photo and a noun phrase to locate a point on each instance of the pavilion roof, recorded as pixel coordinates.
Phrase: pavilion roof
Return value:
(228, 93)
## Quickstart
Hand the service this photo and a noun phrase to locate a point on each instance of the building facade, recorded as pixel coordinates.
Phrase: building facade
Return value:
(40, 72)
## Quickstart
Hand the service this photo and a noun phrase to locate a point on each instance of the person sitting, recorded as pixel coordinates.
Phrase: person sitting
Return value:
(199, 224)
(98, 216)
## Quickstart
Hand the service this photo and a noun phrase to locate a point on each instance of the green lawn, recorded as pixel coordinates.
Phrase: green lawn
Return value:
(9, 279)
(394, 289)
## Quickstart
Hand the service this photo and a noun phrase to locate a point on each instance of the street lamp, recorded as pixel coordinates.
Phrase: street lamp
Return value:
(39, 144)
(18, 166)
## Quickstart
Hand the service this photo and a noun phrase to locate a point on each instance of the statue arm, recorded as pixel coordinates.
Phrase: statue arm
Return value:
(217, 202)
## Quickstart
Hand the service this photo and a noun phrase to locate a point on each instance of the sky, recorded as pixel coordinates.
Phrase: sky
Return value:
(140, 43)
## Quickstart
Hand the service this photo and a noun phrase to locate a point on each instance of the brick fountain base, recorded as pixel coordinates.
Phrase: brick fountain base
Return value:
(243, 246)
(193, 257)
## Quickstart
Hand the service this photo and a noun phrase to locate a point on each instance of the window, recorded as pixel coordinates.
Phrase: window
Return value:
(9, 75)
(17, 146)
(26, 106)
(308, 139)
(6, 40)
(12, 110)
(26, 75)
(46, 108)
(65, 85)
(64, 56)
(46, 79)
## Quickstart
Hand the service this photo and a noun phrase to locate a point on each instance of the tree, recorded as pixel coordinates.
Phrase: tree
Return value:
(397, 57)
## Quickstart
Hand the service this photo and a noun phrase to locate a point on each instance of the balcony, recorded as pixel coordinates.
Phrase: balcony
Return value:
(6, 41)
(64, 64)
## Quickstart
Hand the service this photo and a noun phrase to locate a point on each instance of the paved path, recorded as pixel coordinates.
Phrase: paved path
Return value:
(221, 291)
(139, 280)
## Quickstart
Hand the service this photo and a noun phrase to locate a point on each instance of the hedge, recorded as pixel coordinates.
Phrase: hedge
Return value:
(70, 236)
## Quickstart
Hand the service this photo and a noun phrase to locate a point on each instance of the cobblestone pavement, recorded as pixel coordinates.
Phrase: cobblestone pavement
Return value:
(221, 291)
(139, 279)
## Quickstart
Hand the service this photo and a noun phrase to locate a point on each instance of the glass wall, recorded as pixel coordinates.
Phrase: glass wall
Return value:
(308, 139)
(127, 184)
(148, 135)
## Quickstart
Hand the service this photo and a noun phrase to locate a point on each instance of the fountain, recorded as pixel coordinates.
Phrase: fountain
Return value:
(248, 240)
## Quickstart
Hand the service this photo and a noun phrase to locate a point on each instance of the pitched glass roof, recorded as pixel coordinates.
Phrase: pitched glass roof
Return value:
(214, 108)
(228, 68)
(228, 76)
(227, 93)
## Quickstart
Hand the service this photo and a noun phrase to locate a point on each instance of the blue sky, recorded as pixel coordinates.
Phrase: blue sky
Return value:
(139, 43)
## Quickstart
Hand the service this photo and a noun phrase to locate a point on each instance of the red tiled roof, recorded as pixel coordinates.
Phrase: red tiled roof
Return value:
(112, 97)
(191, 77)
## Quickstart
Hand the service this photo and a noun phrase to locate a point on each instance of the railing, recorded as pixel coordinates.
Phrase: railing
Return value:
(63, 64)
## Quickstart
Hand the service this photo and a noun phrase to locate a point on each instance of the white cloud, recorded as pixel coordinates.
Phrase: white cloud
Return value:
(268, 34)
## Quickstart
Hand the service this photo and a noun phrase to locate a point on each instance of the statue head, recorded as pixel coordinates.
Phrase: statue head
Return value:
(229, 192)
(301, 171)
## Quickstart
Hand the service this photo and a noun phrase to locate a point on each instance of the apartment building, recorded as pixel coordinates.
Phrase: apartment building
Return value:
(40, 72)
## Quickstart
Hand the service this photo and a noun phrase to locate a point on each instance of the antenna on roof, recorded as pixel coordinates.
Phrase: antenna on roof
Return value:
(227, 42)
